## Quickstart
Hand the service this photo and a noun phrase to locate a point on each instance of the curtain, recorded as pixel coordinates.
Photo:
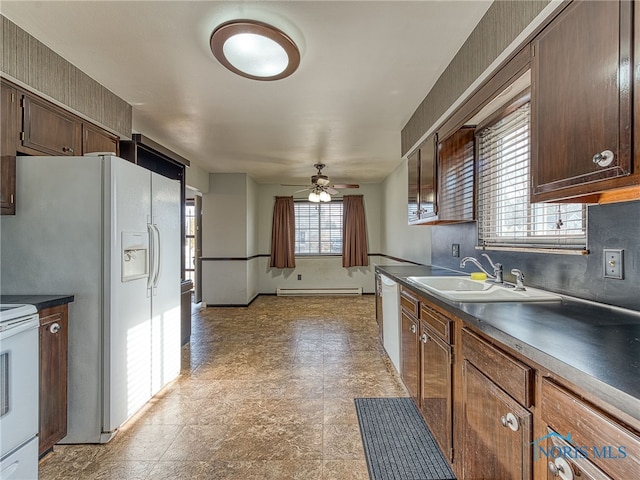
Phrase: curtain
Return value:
(354, 232)
(283, 234)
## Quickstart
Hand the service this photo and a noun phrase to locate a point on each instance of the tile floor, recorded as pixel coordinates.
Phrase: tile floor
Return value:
(266, 392)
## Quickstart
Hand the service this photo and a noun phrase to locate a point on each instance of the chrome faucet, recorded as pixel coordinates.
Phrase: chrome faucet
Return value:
(519, 279)
(496, 277)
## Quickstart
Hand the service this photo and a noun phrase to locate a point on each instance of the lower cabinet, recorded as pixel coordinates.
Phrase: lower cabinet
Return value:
(54, 336)
(409, 354)
(496, 414)
(497, 431)
(436, 387)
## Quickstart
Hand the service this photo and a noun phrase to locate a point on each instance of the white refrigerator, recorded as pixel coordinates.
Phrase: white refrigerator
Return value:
(108, 232)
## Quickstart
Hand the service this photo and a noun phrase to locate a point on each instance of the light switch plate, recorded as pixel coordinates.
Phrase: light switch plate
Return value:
(612, 263)
(455, 249)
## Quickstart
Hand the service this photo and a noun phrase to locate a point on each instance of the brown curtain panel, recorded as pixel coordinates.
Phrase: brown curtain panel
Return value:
(354, 232)
(283, 244)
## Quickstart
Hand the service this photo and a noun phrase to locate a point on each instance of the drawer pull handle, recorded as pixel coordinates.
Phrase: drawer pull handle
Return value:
(54, 328)
(510, 420)
(413, 329)
(561, 468)
(604, 159)
(67, 149)
(424, 338)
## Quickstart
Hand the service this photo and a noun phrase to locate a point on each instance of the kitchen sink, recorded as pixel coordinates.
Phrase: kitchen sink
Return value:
(464, 289)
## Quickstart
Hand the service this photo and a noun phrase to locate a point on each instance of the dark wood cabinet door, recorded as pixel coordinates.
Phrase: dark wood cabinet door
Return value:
(97, 140)
(379, 318)
(581, 99)
(427, 185)
(8, 142)
(49, 130)
(492, 449)
(54, 335)
(409, 354)
(413, 167)
(456, 163)
(436, 387)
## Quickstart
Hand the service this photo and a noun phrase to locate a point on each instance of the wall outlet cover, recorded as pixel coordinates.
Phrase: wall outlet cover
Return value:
(612, 263)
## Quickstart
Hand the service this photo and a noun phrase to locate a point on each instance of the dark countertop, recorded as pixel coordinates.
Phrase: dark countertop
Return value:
(40, 301)
(595, 346)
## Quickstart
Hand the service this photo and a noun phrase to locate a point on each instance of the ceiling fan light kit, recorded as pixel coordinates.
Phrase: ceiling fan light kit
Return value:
(321, 188)
(255, 50)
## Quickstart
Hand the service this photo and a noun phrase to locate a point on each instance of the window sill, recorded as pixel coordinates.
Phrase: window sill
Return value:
(523, 248)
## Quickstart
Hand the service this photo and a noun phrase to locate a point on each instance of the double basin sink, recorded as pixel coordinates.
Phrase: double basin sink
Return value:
(464, 289)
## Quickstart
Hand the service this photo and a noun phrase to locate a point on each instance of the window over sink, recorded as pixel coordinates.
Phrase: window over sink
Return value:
(506, 216)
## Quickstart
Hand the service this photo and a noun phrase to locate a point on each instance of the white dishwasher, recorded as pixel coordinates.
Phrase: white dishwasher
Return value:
(391, 319)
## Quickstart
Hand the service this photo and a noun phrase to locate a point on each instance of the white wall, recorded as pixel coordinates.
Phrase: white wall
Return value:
(224, 237)
(197, 178)
(321, 271)
(236, 233)
(398, 239)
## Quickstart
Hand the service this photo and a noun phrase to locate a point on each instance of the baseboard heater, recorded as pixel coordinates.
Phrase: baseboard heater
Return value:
(318, 292)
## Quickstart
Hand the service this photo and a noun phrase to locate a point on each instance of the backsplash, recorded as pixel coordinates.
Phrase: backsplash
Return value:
(609, 226)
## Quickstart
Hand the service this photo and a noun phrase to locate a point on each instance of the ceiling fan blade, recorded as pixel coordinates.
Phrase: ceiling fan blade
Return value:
(292, 185)
(331, 190)
(303, 190)
(346, 185)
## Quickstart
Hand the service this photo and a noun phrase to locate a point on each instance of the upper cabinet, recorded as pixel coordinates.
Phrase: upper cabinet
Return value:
(456, 164)
(9, 108)
(581, 102)
(441, 179)
(422, 183)
(49, 130)
(95, 139)
(34, 126)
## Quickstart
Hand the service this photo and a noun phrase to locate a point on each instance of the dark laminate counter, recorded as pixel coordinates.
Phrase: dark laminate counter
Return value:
(595, 346)
(40, 301)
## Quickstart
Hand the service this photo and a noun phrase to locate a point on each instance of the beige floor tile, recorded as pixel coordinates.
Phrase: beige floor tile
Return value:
(266, 393)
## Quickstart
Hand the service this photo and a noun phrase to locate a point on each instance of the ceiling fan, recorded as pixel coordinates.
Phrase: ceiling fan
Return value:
(321, 188)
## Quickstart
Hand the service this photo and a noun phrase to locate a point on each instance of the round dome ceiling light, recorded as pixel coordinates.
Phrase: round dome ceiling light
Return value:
(255, 50)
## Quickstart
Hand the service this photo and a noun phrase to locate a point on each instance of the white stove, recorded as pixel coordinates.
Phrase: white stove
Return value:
(19, 373)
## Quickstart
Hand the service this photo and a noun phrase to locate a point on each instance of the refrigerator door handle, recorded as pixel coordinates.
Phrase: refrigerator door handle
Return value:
(152, 256)
(156, 251)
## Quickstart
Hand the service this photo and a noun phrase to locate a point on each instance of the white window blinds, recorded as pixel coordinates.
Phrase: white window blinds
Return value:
(505, 215)
(318, 228)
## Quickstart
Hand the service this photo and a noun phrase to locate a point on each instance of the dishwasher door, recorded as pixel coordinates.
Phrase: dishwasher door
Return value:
(391, 316)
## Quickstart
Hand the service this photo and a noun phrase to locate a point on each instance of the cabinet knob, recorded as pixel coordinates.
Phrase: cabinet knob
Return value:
(510, 420)
(604, 159)
(54, 328)
(424, 338)
(561, 468)
(67, 149)
(413, 329)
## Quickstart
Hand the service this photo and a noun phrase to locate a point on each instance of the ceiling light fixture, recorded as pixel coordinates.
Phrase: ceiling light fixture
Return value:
(255, 50)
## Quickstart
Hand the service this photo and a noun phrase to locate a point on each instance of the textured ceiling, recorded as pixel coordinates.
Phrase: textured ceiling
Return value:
(365, 68)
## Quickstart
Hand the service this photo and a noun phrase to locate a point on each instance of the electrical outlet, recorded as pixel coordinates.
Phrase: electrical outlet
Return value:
(612, 259)
(455, 249)
(299, 276)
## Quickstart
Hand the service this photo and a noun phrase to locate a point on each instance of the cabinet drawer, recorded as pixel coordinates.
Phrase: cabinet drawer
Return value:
(437, 321)
(608, 444)
(513, 376)
(409, 302)
(580, 467)
(51, 315)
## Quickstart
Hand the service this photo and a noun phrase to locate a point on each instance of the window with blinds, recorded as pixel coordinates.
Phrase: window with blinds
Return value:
(318, 228)
(505, 215)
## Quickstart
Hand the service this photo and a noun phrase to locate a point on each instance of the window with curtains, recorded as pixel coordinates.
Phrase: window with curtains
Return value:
(318, 228)
(506, 218)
